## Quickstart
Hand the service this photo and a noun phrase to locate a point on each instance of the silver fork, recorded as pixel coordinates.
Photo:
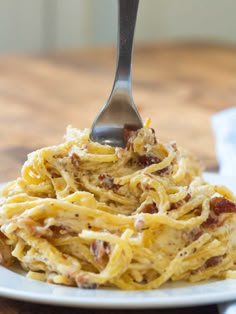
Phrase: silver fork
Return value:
(119, 114)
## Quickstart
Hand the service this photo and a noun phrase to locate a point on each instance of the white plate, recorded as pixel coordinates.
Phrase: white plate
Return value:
(16, 286)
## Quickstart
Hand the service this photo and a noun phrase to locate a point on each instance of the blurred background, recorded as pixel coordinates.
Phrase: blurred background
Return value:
(48, 25)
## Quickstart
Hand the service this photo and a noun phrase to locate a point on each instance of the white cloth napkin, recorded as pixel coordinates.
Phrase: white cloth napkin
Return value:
(227, 308)
(224, 128)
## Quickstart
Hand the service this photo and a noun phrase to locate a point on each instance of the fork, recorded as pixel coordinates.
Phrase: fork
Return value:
(119, 113)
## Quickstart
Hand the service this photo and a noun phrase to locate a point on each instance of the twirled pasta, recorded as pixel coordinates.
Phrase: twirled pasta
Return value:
(92, 215)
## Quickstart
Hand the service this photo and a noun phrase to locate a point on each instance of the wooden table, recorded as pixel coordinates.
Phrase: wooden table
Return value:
(178, 86)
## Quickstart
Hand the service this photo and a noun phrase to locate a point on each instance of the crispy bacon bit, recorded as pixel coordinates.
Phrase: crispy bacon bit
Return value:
(176, 204)
(162, 171)
(218, 205)
(154, 137)
(210, 222)
(145, 160)
(150, 209)
(60, 230)
(213, 261)
(187, 197)
(197, 211)
(99, 249)
(108, 183)
(195, 234)
(221, 205)
(181, 203)
(75, 160)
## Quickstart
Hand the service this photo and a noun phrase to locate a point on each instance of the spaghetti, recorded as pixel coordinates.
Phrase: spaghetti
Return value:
(89, 215)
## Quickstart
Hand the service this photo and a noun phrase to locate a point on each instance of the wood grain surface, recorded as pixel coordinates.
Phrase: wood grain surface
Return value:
(179, 86)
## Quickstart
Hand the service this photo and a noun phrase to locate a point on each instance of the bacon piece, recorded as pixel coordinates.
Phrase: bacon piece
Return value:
(181, 203)
(108, 182)
(213, 261)
(177, 204)
(197, 212)
(154, 136)
(150, 209)
(99, 249)
(57, 230)
(210, 222)
(161, 171)
(195, 234)
(146, 160)
(221, 205)
(187, 197)
(218, 205)
(75, 160)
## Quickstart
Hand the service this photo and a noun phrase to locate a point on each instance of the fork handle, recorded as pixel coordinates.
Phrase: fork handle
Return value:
(126, 26)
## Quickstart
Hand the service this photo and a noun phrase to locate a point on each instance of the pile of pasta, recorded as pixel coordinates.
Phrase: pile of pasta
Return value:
(88, 215)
